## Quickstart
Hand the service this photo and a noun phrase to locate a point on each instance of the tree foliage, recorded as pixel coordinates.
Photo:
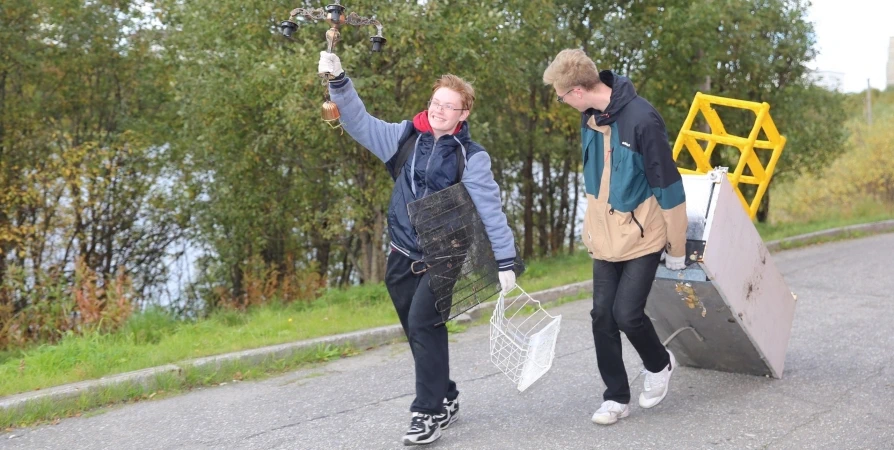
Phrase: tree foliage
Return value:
(134, 135)
(82, 94)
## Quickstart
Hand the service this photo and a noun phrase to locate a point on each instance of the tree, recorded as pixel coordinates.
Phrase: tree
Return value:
(82, 93)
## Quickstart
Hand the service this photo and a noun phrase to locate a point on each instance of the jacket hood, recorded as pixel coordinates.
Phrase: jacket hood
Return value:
(420, 121)
(622, 93)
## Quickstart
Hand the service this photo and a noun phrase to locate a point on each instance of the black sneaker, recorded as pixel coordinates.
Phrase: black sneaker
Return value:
(424, 429)
(450, 414)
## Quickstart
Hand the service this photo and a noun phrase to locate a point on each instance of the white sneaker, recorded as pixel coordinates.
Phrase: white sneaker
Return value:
(656, 384)
(424, 429)
(610, 412)
(449, 414)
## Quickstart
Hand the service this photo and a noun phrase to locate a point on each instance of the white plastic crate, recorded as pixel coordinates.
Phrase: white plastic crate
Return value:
(522, 337)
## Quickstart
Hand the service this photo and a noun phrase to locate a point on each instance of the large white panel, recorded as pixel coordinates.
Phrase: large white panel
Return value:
(735, 303)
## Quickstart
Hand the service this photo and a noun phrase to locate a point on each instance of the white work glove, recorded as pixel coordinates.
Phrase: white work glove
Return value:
(507, 280)
(675, 262)
(330, 63)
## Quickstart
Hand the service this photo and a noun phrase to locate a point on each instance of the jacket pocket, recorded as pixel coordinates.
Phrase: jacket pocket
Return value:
(587, 232)
(621, 233)
(596, 227)
(625, 223)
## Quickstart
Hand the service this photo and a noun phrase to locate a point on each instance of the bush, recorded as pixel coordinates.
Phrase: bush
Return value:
(860, 181)
(42, 307)
(265, 284)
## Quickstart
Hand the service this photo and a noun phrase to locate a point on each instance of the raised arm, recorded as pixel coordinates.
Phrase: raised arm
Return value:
(376, 135)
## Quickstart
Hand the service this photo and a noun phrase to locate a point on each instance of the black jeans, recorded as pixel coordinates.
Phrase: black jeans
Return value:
(414, 302)
(620, 290)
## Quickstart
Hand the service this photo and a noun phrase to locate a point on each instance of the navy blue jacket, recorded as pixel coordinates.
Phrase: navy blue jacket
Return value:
(430, 168)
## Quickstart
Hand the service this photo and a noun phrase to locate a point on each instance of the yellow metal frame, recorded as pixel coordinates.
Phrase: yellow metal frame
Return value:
(702, 156)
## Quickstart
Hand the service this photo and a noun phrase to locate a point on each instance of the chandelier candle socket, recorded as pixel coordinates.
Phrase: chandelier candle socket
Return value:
(334, 15)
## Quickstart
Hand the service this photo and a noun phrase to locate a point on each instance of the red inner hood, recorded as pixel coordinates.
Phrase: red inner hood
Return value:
(422, 125)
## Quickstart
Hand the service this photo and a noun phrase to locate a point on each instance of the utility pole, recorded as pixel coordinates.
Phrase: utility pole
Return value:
(868, 103)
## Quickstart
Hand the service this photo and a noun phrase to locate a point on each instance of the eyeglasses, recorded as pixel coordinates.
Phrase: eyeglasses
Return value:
(445, 107)
(561, 98)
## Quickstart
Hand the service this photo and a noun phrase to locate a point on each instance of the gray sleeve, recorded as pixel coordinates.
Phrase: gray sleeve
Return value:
(376, 135)
(479, 181)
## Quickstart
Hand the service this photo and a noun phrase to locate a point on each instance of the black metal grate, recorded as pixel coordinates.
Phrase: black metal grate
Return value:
(456, 249)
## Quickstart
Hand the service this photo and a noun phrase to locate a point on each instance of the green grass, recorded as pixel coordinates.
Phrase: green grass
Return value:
(155, 338)
(162, 385)
(558, 271)
(780, 231)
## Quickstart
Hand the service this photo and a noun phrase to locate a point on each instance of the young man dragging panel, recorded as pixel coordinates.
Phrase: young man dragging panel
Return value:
(636, 208)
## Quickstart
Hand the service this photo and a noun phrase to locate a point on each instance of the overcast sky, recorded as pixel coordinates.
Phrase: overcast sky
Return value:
(853, 38)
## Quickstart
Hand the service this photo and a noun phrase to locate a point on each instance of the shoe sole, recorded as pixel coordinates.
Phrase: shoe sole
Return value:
(434, 437)
(642, 397)
(623, 415)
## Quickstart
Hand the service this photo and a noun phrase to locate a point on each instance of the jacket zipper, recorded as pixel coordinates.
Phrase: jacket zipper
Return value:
(427, 167)
(642, 233)
(400, 250)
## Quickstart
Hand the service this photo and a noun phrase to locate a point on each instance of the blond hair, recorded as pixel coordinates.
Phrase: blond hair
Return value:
(460, 86)
(571, 67)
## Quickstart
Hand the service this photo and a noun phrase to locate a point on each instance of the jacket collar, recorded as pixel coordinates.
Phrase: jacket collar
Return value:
(462, 134)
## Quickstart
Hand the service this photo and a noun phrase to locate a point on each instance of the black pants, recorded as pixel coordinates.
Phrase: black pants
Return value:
(620, 290)
(414, 302)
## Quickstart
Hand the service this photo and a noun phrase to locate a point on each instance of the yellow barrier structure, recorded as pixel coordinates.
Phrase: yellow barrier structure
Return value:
(760, 175)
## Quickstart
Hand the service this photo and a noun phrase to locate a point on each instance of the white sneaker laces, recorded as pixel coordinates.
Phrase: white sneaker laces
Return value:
(417, 423)
(655, 379)
(613, 408)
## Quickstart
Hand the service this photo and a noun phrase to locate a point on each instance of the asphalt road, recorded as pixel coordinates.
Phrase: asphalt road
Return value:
(836, 392)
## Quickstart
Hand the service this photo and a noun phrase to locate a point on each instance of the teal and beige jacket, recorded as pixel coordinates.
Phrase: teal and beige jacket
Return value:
(635, 199)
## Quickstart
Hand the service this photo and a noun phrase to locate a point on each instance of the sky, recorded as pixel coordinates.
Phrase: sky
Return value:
(852, 39)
